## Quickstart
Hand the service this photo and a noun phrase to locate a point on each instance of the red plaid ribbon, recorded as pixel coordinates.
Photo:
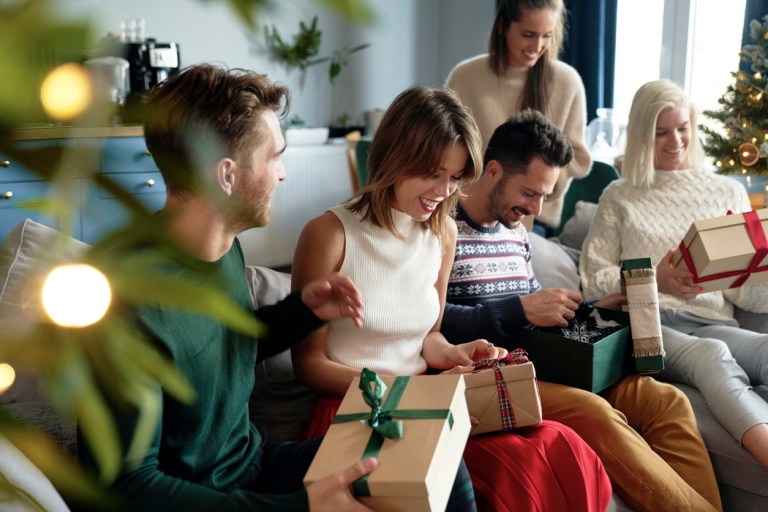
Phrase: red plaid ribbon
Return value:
(517, 356)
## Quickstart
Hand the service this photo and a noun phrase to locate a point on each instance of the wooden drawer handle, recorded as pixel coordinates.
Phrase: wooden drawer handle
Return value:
(7, 195)
(150, 182)
(5, 163)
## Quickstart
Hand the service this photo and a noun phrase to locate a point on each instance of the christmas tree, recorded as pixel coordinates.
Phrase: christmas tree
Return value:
(743, 147)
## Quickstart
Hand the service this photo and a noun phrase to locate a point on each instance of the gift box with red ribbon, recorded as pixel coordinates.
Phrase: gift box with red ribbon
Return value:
(417, 428)
(502, 393)
(726, 252)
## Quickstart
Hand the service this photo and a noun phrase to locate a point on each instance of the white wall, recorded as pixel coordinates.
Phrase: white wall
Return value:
(412, 41)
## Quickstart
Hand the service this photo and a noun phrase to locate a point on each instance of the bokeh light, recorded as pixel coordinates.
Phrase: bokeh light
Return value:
(66, 91)
(7, 376)
(76, 295)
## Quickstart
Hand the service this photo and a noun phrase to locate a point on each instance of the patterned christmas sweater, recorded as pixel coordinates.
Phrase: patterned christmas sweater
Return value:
(491, 270)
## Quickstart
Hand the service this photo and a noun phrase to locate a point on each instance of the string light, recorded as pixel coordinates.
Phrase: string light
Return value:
(7, 376)
(66, 91)
(76, 295)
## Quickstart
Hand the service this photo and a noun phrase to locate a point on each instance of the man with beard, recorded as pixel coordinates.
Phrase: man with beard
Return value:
(643, 430)
(216, 139)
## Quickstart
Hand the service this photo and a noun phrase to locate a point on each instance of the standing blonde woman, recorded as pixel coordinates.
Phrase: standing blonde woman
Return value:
(646, 214)
(521, 70)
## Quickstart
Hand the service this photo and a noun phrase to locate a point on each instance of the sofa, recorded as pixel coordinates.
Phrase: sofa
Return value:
(279, 403)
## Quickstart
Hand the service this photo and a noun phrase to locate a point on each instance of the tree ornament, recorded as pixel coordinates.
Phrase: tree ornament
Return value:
(749, 154)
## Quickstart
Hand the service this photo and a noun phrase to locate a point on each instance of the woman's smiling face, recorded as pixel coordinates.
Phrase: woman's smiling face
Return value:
(529, 38)
(419, 196)
(673, 134)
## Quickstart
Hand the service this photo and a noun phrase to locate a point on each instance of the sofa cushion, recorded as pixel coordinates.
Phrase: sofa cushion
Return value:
(743, 481)
(28, 252)
(31, 489)
(553, 264)
(576, 228)
(278, 402)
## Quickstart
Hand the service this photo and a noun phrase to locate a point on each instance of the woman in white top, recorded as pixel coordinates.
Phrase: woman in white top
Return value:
(646, 213)
(521, 70)
(396, 240)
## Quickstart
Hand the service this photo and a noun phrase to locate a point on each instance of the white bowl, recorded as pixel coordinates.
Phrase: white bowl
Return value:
(306, 136)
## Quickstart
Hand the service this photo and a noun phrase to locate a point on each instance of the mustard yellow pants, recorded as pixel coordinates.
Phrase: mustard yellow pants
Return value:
(645, 433)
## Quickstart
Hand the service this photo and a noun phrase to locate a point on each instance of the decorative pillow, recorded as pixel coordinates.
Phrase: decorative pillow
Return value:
(33, 491)
(553, 264)
(279, 402)
(576, 228)
(29, 251)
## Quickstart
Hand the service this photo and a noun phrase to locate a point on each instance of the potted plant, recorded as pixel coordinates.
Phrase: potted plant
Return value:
(302, 53)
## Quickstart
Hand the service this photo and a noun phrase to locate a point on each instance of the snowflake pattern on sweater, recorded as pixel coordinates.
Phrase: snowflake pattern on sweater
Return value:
(490, 263)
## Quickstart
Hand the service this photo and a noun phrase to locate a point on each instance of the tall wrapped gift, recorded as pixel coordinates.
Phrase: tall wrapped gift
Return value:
(416, 427)
(502, 393)
(638, 283)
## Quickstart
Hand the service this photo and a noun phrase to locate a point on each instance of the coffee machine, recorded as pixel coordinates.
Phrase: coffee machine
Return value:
(149, 63)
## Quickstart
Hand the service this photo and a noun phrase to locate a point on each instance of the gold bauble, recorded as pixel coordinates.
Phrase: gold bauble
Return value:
(749, 154)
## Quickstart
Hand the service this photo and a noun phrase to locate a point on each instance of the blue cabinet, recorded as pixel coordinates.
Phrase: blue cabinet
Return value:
(126, 162)
(122, 159)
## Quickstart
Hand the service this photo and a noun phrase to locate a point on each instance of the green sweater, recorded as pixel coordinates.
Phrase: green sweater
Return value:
(202, 449)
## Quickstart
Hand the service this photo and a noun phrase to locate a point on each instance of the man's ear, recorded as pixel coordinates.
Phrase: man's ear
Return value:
(494, 170)
(226, 174)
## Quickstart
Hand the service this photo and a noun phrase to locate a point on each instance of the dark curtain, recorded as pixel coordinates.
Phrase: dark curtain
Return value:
(590, 47)
(754, 10)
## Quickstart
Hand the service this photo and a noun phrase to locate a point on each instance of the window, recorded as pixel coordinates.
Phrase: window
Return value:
(695, 43)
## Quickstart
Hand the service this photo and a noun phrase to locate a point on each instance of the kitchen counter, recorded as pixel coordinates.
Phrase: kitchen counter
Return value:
(72, 132)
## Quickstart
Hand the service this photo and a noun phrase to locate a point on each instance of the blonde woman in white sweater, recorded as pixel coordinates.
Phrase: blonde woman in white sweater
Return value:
(522, 71)
(646, 214)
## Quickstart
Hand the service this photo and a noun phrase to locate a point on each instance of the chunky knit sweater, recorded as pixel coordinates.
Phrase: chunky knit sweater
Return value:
(633, 223)
(494, 99)
(396, 278)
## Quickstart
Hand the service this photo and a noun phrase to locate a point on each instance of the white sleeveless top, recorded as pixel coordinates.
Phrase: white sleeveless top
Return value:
(397, 281)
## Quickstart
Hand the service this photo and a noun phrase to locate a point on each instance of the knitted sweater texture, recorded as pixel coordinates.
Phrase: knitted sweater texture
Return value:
(491, 270)
(494, 99)
(202, 449)
(633, 223)
(397, 280)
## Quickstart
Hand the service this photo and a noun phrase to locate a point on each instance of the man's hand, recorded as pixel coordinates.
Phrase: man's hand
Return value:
(671, 281)
(333, 494)
(334, 297)
(551, 307)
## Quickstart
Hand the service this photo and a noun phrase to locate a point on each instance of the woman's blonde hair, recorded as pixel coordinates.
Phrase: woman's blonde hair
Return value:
(650, 100)
(412, 141)
(536, 92)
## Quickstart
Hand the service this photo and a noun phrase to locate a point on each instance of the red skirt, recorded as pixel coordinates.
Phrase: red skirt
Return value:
(542, 468)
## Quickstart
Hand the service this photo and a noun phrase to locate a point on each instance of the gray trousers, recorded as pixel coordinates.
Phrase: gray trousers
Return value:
(722, 361)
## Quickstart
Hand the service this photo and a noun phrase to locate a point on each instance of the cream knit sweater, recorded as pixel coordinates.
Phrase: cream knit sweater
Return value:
(494, 99)
(636, 223)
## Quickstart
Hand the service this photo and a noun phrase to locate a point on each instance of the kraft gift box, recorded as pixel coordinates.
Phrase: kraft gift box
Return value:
(484, 403)
(415, 472)
(726, 252)
(590, 366)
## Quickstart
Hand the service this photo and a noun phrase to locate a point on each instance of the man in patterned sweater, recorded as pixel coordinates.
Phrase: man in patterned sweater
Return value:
(660, 461)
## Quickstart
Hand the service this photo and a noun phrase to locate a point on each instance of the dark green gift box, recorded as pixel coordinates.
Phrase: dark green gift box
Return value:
(590, 366)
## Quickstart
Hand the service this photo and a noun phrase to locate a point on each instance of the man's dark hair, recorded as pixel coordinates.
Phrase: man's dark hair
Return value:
(203, 114)
(525, 136)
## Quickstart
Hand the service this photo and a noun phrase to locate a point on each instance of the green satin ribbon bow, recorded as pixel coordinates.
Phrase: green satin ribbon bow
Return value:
(381, 418)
